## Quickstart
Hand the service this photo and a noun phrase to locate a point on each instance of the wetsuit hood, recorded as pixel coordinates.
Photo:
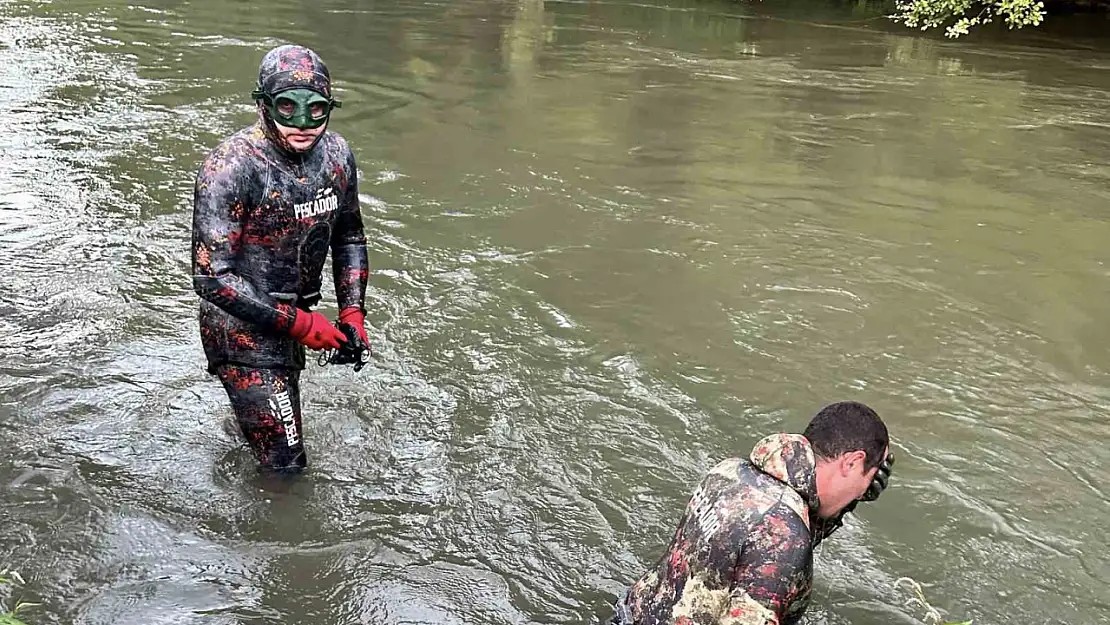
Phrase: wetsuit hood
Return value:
(293, 67)
(789, 458)
(283, 68)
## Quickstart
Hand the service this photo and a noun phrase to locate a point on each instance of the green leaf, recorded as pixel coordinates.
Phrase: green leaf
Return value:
(27, 604)
(958, 17)
(10, 619)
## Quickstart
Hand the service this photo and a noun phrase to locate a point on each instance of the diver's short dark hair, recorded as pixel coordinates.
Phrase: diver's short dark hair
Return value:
(848, 426)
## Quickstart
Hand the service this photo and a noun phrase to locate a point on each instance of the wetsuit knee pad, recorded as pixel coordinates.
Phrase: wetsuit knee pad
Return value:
(267, 405)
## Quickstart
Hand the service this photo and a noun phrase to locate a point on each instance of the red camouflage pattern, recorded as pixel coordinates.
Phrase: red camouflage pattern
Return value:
(743, 552)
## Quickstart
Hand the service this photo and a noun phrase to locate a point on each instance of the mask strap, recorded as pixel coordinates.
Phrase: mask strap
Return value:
(259, 94)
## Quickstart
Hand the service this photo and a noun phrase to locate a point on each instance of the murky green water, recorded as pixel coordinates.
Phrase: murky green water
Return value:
(613, 243)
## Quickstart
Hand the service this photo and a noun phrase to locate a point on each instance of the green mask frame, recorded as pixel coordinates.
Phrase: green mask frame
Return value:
(297, 108)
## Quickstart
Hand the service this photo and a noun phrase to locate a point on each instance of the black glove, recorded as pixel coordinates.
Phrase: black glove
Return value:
(881, 479)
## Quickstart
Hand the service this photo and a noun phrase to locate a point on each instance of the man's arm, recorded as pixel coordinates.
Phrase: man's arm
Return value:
(771, 571)
(221, 198)
(350, 265)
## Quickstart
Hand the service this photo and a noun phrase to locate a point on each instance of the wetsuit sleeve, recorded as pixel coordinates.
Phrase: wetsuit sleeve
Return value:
(226, 186)
(770, 573)
(350, 265)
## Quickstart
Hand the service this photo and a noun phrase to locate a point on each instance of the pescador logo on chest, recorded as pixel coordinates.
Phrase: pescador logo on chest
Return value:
(325, 201)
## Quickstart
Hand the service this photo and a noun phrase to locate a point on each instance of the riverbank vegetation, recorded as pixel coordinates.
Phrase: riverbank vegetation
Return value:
(957, 17)
(10, 618)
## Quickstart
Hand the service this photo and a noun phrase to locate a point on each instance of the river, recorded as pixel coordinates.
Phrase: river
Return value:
(612, 243)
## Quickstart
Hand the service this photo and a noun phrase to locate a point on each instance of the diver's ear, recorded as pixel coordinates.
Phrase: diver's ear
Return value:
(853, 462)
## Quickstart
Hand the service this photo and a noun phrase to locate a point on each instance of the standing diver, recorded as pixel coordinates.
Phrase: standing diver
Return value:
(268, 203)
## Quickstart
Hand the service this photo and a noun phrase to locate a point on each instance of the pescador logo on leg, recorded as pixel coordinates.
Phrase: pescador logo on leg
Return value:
(282, 407)
(325, 201)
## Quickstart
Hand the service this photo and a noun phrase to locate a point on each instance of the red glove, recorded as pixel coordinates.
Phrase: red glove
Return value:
(354, 317)
(314, 331)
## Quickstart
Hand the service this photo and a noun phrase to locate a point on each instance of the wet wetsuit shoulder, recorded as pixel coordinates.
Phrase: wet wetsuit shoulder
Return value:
(740, 555)
(229, 185)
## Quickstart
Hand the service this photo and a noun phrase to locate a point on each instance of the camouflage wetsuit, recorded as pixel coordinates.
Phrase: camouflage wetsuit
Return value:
(743, 552)
(264, 219)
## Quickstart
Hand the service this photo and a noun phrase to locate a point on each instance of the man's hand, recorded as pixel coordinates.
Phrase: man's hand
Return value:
(354, 317)
(354, 351)
(314, 331)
